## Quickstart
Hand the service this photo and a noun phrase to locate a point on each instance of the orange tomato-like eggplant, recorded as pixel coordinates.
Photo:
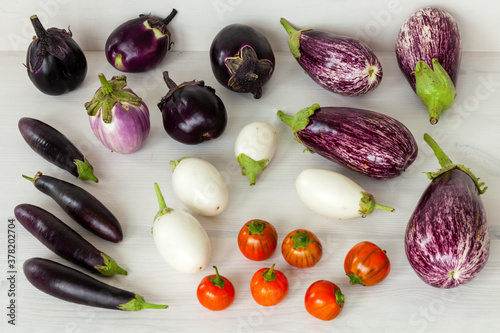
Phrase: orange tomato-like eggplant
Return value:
(301, 248)
(257, 239)
(324, 300)
(366, 264)
(215, 292)
(268, 286)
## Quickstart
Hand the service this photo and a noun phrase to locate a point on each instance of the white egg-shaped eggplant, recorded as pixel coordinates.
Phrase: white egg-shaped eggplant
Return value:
(333, 195)
(180, 238)
(199, 186)
(254, 148)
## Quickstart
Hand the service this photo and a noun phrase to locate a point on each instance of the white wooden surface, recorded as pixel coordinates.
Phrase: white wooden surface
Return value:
(402, 303)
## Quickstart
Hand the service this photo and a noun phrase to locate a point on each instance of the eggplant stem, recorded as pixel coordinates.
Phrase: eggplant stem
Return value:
(161, 203)
(367, 205)
(443, 159)
(170, 83)
(138, 303)
(37, 25)
(106, 87)
(170, 17)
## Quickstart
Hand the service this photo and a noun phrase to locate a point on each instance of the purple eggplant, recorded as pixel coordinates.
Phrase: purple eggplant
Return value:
(340, 64)
(447, 240)
(429, 51)
(70, 285)
(56, 148)
(368, 142)
(81, 206)
(54, 61)
(139, 44)
(242, 59)
(192, 113)
(64, 241)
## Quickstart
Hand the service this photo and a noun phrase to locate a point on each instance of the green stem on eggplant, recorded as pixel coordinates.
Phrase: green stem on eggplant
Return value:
(251, 167)
(367, 205)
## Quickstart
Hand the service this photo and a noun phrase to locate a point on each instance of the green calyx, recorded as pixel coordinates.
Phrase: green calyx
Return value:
(33, 180)
(110, 267)
(447, 165)
(269, 274)
(111, 93)
(300, 240)
(339, 297)
(256, 227)
(434, 88)
(85, 170)
(217, 280)
(354, 279)
(367, 205)
(294, 42)
(138, 303)
(251, 167)
(175, 163)
(300, 120)
(163, 209)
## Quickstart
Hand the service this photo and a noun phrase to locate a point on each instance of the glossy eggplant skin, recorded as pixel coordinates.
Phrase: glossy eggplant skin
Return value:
(367, 142)
(64, 241)
(81, 206)
(242, 59)
(447, 239)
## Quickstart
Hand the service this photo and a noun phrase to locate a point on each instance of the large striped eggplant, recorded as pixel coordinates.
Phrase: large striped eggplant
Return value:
(341, 64)
(428, 51)
(447, 240)
(368, 142)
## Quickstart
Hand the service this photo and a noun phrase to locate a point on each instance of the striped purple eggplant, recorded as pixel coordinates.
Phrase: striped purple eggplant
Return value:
(341, 64)
(429, 51)
(368, 142)
(447, 240)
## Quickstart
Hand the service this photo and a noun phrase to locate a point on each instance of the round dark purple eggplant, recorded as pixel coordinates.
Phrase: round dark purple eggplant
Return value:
(64, 241)
(242, 59)
(447, 240)
(54, 61)
(368, 142)
(428, 52)
(139, 44)
(70, 285)
(343, 65)
(192, 113)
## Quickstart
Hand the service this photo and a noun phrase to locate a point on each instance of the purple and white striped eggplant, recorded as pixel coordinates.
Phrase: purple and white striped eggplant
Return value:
(429, 51)
(368, 142)
(118, 117)
(447, 240)
(341, 64)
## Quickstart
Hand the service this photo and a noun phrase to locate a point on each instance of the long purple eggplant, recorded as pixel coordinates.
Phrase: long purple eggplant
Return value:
(365, 141)
(56, 148)
(429, 51)
(82, 206)
(447, 240)
(64, 241)
(70, 285)
(341, 64)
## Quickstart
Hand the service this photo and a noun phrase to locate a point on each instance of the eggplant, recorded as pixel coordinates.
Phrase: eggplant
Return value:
(192, 113)
(139, 44)
(64, 241)
(367, 142)
(428, 52)
(447, 240)
(341, 64)
(55, 62)
(70, 285)
(81, 206)
(56, 148)
(242, 59)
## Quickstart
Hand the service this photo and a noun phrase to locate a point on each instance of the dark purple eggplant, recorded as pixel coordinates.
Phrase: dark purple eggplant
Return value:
(56, 148)
(81, 206)
(64, 241)
(192, 113)
(447, 241)
(139, 44)
(54, 61)
(429, 51)
(368, 142)
(242, 59)
(341, 64)
(70, 285)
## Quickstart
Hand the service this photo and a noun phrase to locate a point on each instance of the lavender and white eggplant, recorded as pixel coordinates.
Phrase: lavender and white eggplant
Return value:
(139, 44)
(55, 62)
(368, 142)
(242, 59)
(118, 117)
(447, 240)
(341, 64)
(429, 51)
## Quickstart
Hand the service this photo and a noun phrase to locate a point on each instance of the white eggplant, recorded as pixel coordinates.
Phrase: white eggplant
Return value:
(333, 195)
(254, 148)
(199, 186)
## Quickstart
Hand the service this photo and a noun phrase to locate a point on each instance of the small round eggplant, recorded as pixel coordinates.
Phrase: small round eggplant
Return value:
(242, 59)
(340, 64)
(192, 113)
(139, 44)
(55, 62)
